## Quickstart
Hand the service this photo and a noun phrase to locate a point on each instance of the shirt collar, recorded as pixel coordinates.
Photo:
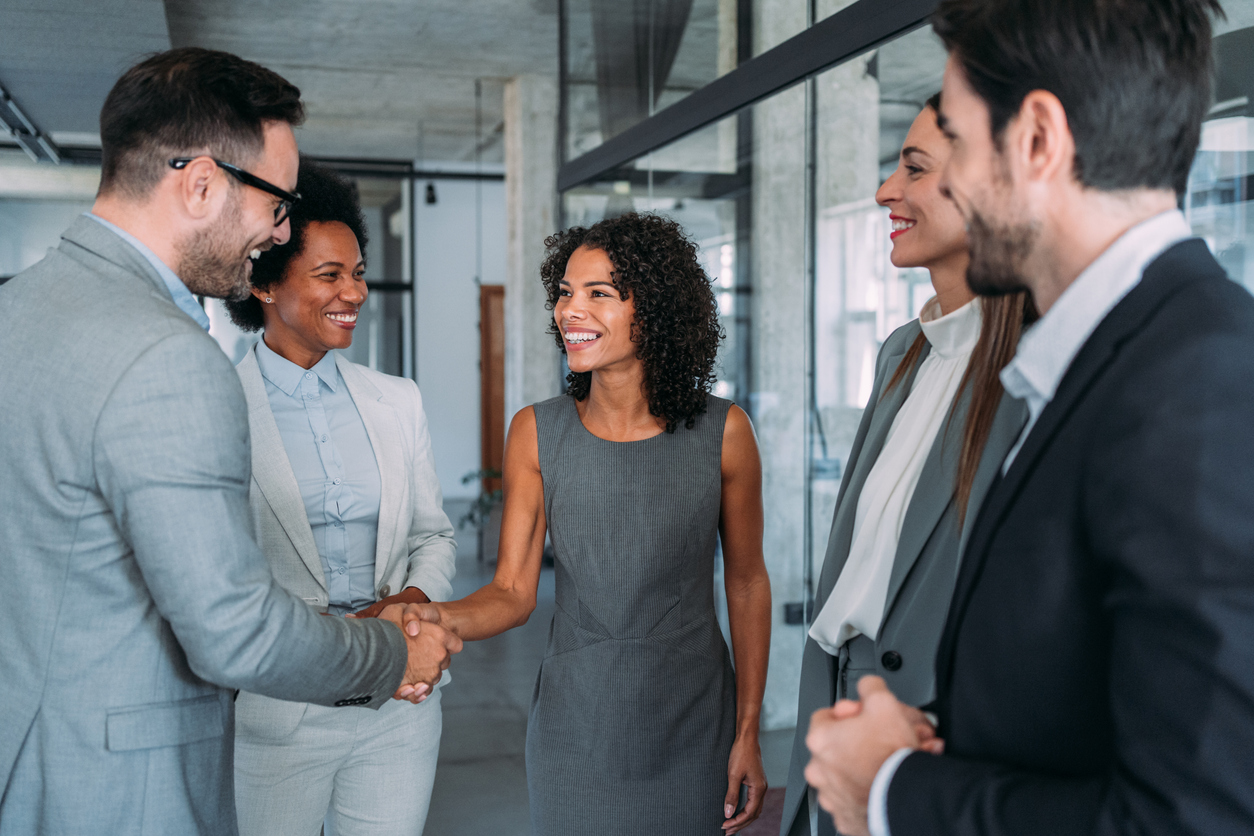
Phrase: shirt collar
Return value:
(953, 334)
(178, 291)
(1047, 348)
(286, 375)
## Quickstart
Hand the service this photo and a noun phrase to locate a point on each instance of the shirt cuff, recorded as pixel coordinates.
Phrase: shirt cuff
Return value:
(877, 803)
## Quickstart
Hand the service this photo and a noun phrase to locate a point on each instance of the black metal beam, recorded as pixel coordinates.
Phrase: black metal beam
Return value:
(398, 169)
(854, 30)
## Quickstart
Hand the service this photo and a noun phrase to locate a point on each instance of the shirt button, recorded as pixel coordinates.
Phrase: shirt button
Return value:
(308, 375)
(335, 481)
(324, 441)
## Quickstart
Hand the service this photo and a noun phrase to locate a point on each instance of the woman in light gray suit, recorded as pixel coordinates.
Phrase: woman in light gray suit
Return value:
(347, 509)
(932, 439)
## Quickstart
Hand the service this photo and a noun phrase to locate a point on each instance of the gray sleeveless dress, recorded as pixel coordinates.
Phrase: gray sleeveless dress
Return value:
(634, 710)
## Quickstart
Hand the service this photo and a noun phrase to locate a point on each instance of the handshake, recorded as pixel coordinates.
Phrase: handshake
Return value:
(431, 646)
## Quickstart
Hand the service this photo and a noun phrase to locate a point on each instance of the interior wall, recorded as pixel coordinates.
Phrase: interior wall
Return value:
(28, 228)
(447, 317)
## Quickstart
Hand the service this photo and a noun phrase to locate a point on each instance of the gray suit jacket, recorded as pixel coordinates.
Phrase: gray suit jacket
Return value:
(924, 571)
(136, 597)
(415, 538)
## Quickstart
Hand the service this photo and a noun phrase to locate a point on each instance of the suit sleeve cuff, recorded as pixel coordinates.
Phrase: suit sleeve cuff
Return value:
(877, 803)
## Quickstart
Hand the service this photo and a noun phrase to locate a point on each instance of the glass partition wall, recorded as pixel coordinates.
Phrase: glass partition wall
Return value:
(779, 195)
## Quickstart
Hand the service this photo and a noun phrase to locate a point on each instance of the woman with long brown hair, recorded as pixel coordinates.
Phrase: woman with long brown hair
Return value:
(932, 438)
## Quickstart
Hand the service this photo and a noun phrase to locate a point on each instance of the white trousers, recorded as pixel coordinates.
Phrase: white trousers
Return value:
(356, 771)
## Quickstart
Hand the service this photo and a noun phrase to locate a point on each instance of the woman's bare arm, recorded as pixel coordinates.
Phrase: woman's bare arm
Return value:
(510, 598)
(748, 608)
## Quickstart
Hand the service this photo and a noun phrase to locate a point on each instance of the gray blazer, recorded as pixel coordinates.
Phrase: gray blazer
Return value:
(924, 571)
(415, 540)
(136, 598)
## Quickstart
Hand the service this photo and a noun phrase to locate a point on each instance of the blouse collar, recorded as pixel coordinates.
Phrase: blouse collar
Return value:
(954, 334)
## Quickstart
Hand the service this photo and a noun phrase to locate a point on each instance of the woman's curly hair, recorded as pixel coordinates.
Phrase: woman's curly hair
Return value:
(324, 196)
(676, 328)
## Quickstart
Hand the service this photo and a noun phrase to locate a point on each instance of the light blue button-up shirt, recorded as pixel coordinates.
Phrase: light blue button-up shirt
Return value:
(178, 291)
(335, 467)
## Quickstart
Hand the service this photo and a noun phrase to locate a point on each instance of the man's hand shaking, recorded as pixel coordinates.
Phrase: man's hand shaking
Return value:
(431, 648)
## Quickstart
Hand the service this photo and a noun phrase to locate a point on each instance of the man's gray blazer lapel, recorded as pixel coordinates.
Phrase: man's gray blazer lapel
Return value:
(885, 410)
(385, 439)
(273, 472)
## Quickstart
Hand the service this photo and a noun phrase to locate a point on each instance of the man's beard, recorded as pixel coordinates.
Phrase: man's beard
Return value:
(212, 262)
(998, 255)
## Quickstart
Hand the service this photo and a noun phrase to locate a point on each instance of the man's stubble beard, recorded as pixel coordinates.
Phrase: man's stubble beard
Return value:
(998, 255)
(212, 262)
(998, 252)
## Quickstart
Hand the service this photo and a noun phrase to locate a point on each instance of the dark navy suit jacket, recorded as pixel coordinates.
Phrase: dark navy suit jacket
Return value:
(1096, 675)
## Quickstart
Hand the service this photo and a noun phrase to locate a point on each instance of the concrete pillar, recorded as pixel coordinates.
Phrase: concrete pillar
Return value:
(779, 350)
(532, 361)
(781, 326)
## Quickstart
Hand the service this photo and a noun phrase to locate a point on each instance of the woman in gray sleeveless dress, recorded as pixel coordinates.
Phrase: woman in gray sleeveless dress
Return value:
(638, 723)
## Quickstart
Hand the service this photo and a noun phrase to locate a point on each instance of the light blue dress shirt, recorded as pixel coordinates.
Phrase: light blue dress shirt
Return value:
(335, 467)
(178, 291)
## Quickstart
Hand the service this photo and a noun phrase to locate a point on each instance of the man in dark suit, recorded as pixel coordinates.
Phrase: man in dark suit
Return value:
(1097, 669)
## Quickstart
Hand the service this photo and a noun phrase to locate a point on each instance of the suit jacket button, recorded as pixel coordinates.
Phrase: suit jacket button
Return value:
(385, 591)
(891, 661)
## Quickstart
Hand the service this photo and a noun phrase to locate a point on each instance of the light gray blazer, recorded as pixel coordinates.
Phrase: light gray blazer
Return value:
(135, 597)
(925, 568)
(415, 539)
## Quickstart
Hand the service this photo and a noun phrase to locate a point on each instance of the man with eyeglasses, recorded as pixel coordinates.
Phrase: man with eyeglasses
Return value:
(136, 599)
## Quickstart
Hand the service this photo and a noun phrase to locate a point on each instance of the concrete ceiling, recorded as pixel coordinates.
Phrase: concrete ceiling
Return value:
(58, 58)
(385, 78)
(388, 79)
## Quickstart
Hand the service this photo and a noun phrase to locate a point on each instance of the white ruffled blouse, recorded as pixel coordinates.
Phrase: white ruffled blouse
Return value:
(856, 605)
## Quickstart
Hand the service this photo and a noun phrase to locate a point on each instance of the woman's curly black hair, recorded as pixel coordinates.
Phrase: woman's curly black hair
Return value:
(676, 327)
(324, 196)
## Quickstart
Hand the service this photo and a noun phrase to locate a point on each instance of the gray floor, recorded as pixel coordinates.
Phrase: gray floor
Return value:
(481, 782)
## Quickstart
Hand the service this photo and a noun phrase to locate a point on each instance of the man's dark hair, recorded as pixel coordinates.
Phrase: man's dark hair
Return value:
(324, 197)
(188, 101)
(1133, 75)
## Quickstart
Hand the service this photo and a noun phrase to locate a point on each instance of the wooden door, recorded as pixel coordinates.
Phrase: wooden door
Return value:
(492, 379)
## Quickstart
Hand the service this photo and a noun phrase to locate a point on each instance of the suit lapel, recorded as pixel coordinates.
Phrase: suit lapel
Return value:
(1008, 423)
(272, 470)
(1160, 280)
(384, 434)
(932, 495)
(886, 409)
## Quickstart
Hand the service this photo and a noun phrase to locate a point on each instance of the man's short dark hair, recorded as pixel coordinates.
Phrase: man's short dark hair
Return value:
(324, 197)
(188, 101)
(1133, 75)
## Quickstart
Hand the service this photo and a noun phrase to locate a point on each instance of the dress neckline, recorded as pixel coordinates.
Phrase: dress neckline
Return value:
(579, 420)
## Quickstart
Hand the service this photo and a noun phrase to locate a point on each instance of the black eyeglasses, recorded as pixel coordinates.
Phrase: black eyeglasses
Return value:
(286, 198)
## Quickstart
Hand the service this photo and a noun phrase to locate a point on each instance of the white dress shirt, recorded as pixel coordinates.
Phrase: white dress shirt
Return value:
(856, 603)
(1045, 353)
(1047, 348)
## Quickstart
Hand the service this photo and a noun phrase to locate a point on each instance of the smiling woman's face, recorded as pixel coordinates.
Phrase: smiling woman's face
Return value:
(314, 307)
(595, 323)
(927, 227)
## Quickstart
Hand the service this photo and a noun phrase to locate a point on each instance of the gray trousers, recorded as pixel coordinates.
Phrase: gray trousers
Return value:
(355, 771)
